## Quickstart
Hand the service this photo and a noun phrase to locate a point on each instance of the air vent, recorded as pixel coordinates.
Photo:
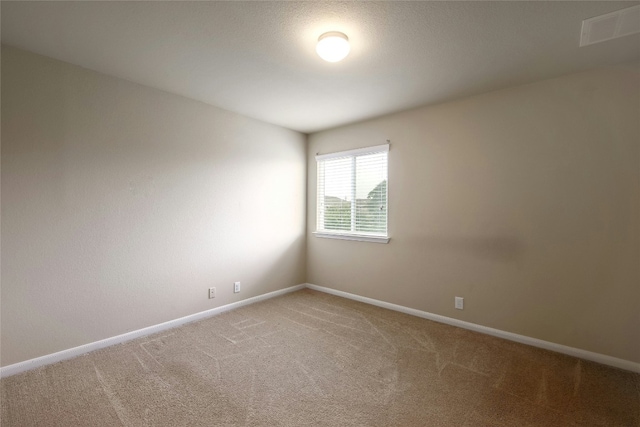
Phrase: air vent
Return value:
(610, 26)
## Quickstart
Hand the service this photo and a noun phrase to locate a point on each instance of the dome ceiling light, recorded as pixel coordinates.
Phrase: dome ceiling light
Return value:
(333, 46)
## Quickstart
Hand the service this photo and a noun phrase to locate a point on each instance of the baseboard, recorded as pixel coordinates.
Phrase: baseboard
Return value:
(559, 348)
(27, 365)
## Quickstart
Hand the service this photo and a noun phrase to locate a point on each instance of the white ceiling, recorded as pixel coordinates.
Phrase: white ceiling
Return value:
(258, 58)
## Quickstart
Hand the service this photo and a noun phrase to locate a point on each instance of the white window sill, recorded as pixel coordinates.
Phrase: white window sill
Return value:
(357, 237)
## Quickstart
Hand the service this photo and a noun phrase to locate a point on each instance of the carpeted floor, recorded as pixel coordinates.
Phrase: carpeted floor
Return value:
(312, 359)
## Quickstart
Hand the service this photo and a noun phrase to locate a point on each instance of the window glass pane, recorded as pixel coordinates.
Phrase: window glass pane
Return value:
(337, 194)
(371, 193)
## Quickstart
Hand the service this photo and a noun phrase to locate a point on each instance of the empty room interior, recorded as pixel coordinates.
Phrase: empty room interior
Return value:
(307, 213)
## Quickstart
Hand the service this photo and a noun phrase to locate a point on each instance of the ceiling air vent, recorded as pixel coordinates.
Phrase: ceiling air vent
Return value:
(610, 26)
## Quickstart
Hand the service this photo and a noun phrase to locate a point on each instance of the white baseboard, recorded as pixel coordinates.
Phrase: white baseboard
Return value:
(27, 365)
(571, 351)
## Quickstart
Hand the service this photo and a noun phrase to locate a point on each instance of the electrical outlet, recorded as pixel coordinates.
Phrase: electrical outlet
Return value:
(236, 287)
(212, 293)
(459, 304)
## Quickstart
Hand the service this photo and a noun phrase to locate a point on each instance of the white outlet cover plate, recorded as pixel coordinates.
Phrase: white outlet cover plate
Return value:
(459, 304)
(236, 287)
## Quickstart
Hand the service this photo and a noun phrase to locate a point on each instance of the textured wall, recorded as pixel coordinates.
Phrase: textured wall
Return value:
(122, 205)
(524, 201)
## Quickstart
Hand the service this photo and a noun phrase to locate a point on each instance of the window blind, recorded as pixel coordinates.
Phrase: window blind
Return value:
(352, 191)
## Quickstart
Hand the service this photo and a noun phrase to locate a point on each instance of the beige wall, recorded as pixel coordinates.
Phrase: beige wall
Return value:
(526, 202)
(122, 205)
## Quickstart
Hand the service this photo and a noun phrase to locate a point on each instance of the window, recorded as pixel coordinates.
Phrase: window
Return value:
(352, 194)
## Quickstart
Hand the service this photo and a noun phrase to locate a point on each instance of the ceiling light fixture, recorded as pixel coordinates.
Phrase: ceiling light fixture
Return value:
(333, 46)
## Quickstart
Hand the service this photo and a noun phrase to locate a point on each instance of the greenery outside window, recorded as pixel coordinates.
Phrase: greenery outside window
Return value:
(352, 194)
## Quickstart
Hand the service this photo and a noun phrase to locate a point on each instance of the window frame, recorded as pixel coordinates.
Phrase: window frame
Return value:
(352, 235)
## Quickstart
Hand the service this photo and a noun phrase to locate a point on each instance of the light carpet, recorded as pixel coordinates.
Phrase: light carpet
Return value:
(312, 359)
